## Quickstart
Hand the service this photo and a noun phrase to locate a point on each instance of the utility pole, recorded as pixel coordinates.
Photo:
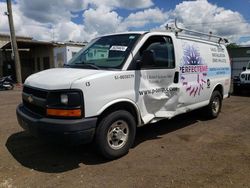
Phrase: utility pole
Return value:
(14, 43)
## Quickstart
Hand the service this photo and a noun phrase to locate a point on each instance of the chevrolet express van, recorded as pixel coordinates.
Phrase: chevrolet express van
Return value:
(123, 81)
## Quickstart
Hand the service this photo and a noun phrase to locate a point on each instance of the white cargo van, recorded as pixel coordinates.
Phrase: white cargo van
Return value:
(122, 81)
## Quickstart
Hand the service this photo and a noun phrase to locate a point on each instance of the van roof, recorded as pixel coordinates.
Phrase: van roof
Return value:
(171, 33)
(138, 32)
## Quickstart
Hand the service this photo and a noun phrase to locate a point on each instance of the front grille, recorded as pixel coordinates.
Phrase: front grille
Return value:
(34, 100)
(247, 76)
(34, 108)
(40, 93)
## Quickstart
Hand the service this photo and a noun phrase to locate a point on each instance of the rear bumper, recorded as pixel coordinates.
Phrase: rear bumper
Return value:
(58, 130)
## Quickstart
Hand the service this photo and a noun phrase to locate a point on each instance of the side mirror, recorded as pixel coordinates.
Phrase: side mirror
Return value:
(244, 68)
(138, 64)
(148, 58)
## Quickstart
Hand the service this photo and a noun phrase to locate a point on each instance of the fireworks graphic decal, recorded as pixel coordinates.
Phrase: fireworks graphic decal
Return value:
(192, 56)
(193, 71)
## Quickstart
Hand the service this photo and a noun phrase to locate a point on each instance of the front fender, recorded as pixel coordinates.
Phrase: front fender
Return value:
(109, 104)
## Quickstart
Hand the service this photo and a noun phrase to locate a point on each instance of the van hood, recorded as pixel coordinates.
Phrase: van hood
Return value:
(246, 71)
(58, 78)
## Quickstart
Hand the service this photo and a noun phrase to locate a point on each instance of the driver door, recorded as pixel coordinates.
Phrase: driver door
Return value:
(156, 95)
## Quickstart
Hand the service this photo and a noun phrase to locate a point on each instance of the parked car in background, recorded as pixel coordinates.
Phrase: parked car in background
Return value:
(242, 82)
(6, 83)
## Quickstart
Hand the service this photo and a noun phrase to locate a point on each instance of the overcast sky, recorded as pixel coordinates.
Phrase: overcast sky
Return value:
(82, 20)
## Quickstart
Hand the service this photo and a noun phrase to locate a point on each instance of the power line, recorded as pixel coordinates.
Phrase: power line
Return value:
(217, 22)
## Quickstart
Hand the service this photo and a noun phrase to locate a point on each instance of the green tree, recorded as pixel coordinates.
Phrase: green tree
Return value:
(232, 45)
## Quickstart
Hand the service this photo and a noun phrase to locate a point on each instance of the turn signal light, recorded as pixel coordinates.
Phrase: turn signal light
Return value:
(64, 113)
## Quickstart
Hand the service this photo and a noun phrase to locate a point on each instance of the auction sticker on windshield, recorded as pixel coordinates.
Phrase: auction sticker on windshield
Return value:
(119, 48)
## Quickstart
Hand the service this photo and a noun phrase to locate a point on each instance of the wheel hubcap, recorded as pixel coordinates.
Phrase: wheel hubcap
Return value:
(216, 105)
(117, 135)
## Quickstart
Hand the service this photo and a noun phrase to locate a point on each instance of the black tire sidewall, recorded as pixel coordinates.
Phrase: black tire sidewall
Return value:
(211, 114)
(102, 130)
(12, 86)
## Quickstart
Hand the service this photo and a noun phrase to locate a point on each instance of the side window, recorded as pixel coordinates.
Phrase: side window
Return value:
(163, 50)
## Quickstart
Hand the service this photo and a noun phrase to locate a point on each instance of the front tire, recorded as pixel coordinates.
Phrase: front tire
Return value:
(115, 134)
(214, 106)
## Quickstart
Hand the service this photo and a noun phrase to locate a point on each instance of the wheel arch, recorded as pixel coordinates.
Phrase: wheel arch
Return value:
(121, 104)
(219, 87)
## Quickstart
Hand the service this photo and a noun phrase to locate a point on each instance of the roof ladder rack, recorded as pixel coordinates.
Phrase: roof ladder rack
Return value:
(210, 35)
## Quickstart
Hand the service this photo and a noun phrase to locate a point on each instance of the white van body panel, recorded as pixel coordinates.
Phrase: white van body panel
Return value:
(214, 59)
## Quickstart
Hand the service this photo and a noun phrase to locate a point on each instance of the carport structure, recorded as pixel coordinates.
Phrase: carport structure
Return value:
(34, 56)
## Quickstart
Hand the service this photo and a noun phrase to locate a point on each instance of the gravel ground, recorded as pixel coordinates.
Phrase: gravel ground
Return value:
(186, 151)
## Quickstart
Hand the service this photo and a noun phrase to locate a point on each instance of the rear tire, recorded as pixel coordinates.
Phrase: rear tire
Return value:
(11, 87)
(214, 106)
(115, 134)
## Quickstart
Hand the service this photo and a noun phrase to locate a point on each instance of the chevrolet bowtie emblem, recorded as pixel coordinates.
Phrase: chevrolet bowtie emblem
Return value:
(30, 99)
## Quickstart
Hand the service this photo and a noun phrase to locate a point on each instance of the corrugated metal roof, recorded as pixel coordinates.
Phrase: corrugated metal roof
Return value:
(3, 43)
(25, 43)
(5, 35)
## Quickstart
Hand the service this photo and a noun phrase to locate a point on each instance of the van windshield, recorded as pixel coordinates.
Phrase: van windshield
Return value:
(105, 52)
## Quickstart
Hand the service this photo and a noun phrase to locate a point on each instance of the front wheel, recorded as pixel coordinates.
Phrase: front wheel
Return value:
(115, 134)
(10, 87)
(214, 106)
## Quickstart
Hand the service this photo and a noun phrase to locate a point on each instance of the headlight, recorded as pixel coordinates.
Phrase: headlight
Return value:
(65, 103)
(64, 99)
(242, 76)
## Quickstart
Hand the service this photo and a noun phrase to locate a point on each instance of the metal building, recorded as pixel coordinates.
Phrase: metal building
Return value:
(240, 56)
(35, 55)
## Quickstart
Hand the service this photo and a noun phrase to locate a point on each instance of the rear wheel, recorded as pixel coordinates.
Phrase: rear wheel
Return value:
(115, 134)
(11, 87)
(214, 106)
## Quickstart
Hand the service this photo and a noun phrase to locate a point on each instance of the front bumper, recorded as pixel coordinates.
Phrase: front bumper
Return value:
(67, 130)
(242, 85)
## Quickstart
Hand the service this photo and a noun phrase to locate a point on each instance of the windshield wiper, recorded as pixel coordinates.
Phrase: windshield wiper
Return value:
(66, 65)
(85, 65)
(91, 65)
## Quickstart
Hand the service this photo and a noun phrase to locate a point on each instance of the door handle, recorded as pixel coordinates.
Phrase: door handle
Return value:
(176, 77)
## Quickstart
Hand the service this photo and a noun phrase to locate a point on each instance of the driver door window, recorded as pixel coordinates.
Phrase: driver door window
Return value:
(163, 50)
